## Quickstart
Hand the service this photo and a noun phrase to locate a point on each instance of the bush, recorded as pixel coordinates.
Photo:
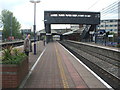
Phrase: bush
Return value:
(12, 56)
(118, 45)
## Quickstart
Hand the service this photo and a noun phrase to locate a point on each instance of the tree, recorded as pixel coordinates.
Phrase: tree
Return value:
(10, 25)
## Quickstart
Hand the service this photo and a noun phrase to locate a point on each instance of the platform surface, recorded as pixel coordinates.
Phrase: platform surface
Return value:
(59, 69)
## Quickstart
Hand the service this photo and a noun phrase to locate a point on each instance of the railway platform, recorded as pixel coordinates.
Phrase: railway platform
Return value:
(56, 67)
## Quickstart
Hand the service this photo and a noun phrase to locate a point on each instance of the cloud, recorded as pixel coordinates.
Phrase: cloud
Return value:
(22, 10)
(24, 13)
(10, 4)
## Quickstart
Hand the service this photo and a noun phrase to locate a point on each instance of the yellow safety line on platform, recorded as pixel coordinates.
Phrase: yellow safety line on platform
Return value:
(62, 72)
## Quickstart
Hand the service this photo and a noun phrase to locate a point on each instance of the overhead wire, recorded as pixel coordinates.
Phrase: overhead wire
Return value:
(111, 9)
(93, 4)
(110, 6)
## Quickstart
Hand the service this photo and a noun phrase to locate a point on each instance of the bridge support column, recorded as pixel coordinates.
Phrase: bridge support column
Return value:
(95, 34)
(48, 32)
(61, 37)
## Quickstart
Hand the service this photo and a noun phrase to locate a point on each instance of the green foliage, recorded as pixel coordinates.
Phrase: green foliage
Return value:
(12, 56)
(16, 52)
(118, 45)
(10, 22)
(7, 53)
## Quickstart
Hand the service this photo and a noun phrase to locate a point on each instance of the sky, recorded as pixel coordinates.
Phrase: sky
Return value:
(23, 10)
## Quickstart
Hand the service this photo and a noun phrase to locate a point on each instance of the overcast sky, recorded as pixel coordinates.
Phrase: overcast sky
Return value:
(23, 9)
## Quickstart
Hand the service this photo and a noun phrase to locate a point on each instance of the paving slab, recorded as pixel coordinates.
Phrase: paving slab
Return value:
(59, 69)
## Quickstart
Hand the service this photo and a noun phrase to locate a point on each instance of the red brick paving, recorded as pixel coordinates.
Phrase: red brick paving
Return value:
(32, 58)
(77, 79)
(46, 73)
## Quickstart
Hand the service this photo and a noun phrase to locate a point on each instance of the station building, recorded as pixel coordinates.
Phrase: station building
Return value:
(109, 25)
(24, 32)
(0, 35)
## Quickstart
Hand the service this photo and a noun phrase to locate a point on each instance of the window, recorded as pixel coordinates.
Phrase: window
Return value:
(111, 29)
(114, 29)
(114, 20)
(54, 15)
(107, 25)
(111, 21)
(102, 21)
(111, 25)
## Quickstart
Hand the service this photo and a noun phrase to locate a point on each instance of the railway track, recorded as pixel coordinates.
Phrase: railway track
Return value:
(110, 60)
(14, 44)
(107, 68)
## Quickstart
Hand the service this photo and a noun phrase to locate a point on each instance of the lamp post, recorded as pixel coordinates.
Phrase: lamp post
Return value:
(11, 27)
(105, 31)
(34, 26)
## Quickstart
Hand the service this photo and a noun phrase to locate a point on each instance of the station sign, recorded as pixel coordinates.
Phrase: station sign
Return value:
(110, 35)
(48, 33)
(91, 32)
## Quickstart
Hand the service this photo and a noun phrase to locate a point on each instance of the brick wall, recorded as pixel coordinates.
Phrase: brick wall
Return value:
(12, 75)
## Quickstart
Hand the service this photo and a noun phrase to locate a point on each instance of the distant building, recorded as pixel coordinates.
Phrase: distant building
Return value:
(0, 32)
(109, 25)
(0, 35)
(76, 26)
(111, 28)
(25, 31)
(73, 27)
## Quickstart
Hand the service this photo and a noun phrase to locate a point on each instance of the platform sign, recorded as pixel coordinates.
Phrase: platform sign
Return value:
(48, 33)
(110, 35)
(91, 32)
